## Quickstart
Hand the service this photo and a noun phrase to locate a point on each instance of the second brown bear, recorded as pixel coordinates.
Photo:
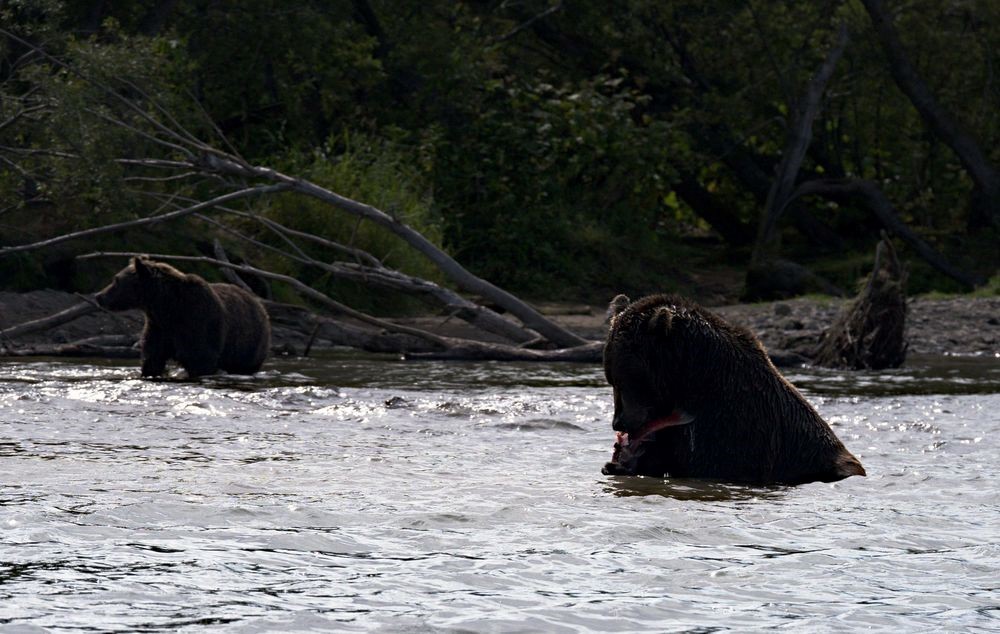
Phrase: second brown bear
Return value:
(204, 327)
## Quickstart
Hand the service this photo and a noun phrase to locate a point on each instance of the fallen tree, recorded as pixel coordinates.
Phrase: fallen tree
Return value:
(431, 346)
(177, 156)
(103, 346)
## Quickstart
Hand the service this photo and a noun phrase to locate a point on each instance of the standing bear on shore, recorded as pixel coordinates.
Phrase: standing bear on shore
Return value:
(696, 397)
(204, 327)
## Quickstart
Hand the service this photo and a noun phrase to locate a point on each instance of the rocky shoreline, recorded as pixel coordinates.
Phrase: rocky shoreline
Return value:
(960, 325)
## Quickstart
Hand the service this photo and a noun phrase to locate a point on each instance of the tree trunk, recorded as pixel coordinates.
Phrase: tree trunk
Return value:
(796, 145)
(767, 276)
(985, 202)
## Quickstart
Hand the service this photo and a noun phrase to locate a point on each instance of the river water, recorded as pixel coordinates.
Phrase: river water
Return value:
(352, 493)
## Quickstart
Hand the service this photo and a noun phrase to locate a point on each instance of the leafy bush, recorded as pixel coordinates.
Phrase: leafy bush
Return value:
(378, 172)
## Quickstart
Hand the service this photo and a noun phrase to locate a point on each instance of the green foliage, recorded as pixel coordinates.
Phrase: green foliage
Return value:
(555, 164)
(541, 144)
(374, 171)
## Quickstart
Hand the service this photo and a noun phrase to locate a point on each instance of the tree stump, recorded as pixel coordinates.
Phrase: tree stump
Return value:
(870, 333)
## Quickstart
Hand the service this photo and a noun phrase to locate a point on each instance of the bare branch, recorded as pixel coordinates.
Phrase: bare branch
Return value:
(357, 254)
(479, 316)
(155, 163)
(21, 113)
(299, 286)
(877, 202)
(131, 128)
(215, 127)
(530, 317)
(142, 222)
(37, 152)
(528, 23)
(161, 179)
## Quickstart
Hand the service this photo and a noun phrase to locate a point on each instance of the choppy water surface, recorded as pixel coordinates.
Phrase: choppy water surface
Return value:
(347, 493)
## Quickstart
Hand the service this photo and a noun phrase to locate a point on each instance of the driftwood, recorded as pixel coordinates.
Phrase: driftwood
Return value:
(104, 346)
(230, 166)
(478, 351)
(217, 162)
(293, 323)
(45, 323)
(870, 333)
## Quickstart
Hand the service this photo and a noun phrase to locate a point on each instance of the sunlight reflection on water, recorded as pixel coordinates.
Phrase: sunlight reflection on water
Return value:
(360, 493)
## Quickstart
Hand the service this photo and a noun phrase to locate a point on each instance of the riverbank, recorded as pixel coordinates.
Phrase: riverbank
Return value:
(959, 325)
(935, 325)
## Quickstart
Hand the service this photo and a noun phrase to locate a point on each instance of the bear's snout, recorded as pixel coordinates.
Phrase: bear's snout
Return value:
(617, 424)
(621, 422)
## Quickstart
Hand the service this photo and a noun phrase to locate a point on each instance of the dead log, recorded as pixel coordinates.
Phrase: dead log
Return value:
(446, 347)
(373, 273)
(103, 346)
(220, 163)
(870, 334)
(334, 332)
(45, 323)
(479, 351)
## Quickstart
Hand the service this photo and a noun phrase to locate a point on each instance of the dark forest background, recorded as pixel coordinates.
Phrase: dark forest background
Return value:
(562, 150)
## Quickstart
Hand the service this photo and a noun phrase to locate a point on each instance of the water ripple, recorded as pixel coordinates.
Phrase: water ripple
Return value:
(359, 494)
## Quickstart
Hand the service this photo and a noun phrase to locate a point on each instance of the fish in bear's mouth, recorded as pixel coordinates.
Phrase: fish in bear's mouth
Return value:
(629, 446)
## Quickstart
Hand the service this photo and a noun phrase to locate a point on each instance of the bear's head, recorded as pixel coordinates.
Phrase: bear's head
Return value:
(645, 361)
(130, 287)
(665, 354)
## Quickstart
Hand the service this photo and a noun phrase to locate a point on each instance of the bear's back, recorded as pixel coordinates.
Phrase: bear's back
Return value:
(247, 330)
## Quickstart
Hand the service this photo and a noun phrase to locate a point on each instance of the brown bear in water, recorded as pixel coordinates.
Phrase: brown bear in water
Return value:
(696, 397)
(204, 327)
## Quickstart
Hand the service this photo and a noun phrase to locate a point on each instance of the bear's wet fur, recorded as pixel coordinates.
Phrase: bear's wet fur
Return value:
(204, 327)
(701, 399)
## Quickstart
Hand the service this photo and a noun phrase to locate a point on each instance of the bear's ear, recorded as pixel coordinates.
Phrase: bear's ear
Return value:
(617, 305)
(615, 308)
(661, 319)
(141, 268)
